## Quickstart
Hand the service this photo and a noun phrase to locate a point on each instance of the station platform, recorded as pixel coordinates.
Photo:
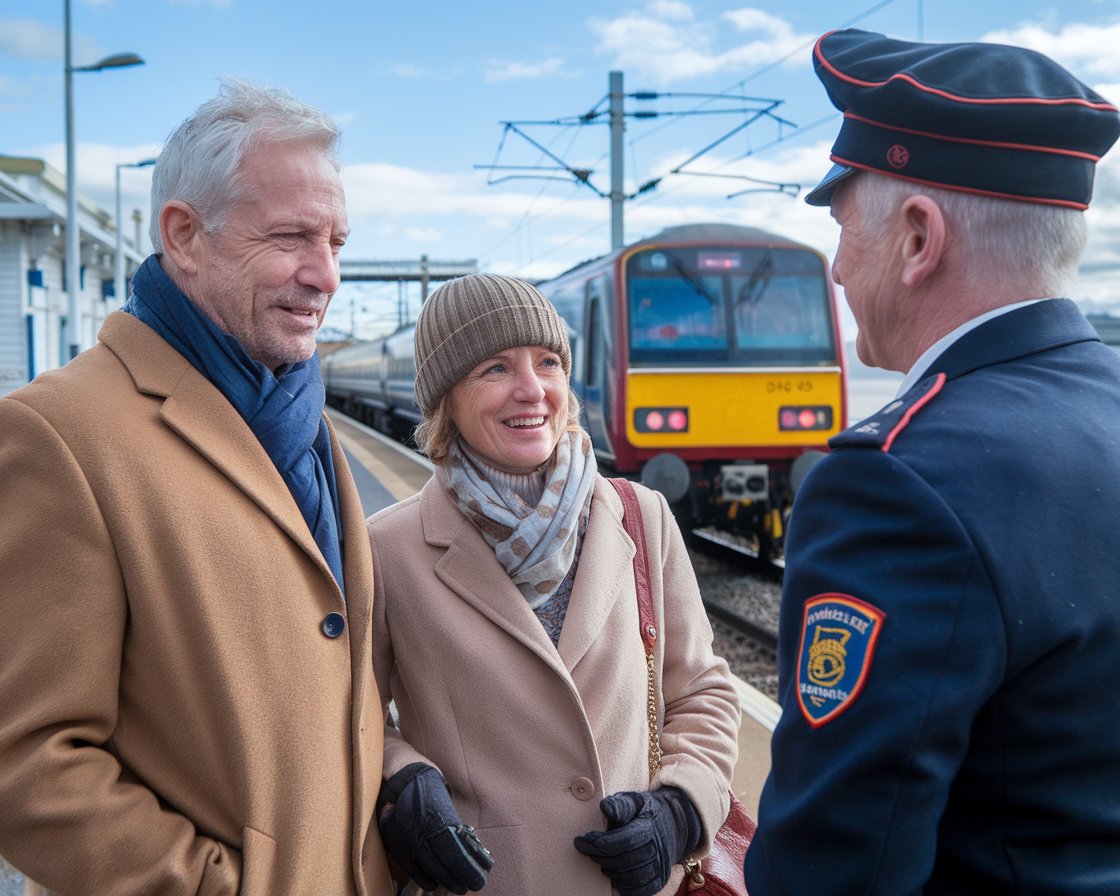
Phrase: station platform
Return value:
(384, 471)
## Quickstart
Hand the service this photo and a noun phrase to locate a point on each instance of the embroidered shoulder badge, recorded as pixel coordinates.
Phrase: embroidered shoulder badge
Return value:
(838, 639)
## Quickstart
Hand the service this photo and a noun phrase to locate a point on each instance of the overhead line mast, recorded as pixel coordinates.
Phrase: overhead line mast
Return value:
(616, 116)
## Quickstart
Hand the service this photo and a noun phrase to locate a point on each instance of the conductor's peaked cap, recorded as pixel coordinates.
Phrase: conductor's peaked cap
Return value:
(984, 118)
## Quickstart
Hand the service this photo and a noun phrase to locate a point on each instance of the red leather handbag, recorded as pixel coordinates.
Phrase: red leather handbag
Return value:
(720, 872)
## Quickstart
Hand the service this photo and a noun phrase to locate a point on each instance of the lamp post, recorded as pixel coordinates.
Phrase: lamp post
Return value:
(118, 290)
(73, 237)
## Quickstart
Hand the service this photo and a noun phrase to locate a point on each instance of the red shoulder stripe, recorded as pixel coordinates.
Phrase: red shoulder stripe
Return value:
(913, 409)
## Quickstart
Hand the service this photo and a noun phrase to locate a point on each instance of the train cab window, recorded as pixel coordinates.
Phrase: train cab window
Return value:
(675, 315)
(789, 312)
(744, 307)
(782, 309)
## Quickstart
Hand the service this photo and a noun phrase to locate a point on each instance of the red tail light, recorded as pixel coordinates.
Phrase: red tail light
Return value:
(800, 418)
(670, 420)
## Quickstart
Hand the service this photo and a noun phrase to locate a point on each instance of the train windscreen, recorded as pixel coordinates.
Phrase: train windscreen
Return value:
(740, 307)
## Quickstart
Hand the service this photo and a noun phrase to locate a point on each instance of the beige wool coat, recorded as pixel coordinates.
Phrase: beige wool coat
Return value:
(530, 737)
(174, 720)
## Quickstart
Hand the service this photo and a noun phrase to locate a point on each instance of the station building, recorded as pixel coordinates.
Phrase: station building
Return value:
(34, 302)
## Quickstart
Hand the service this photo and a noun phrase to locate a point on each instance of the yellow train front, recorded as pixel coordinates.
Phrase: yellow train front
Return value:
(710, 365)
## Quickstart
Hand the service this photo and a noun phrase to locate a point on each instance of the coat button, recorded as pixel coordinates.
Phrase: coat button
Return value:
(583, 788)
(333, 624)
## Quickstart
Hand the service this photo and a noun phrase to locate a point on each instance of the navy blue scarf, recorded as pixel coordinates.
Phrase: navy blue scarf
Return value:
(284, 410)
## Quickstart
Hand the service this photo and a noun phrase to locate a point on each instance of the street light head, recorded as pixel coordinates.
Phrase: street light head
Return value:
(143, 163)
(117, 60)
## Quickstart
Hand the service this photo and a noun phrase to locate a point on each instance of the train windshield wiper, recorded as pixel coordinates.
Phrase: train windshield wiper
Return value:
(758, 280)
(688, 277)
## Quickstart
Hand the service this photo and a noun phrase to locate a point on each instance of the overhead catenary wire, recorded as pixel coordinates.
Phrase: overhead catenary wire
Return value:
(653, 189)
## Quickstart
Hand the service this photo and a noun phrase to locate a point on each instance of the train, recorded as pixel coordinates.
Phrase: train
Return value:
(708, 361)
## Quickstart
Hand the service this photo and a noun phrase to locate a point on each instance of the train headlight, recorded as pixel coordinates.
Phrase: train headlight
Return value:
(804, 417)
(670, 420)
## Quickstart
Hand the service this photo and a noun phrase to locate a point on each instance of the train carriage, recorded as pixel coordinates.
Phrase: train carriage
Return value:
(709, 362)
(375, 382)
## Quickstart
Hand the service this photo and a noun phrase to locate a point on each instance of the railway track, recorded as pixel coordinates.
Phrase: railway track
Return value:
(767, 639)
(742, 598)
(736, 545)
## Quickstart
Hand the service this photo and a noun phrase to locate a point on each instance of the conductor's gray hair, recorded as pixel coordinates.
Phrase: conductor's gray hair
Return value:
(1027, 242)
(200, 164)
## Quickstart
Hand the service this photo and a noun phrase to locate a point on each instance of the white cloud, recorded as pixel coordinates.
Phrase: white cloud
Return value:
(663, 43)
(497, 71)
(33, 40)
(379, 189)
(671, 10)
(749, 19)
(12, 89)
(424, 234)
(1100, 269)
(642, 45)
(30, 39)
(1088, 51)
(717, 175)
(97, 172)
(410, 71)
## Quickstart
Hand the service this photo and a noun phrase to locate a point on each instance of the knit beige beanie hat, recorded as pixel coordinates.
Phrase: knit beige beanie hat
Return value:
(472, 318)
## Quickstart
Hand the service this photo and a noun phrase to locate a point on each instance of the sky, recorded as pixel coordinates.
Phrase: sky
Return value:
(423, 92)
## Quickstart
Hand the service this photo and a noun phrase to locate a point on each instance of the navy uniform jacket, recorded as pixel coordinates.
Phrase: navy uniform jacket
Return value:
(949, 657)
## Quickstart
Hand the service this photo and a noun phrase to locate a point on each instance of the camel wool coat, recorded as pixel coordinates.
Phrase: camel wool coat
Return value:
(175, 718)
(531, 736)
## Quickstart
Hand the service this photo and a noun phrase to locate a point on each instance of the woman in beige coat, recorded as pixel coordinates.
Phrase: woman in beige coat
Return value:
(506, 631)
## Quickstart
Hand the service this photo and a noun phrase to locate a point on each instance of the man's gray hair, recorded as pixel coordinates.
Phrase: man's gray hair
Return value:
(200, 163)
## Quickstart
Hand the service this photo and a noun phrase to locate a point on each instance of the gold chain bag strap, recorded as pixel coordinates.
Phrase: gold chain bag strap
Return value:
(720, 873)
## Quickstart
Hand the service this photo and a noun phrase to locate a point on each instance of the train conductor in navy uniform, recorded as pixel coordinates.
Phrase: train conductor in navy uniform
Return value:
(949, 657)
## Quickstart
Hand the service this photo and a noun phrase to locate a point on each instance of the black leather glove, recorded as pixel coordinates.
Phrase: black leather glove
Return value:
(424, 834)
(647, 834)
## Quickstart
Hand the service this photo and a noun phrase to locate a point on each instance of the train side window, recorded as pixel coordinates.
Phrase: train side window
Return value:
(598, 331)
(593, 348)
(569, 301)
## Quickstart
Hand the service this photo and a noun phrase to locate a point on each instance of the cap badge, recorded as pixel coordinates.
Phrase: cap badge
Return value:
(898, 156)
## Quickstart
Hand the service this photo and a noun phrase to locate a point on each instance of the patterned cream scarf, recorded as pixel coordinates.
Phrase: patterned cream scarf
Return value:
(534, 540)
